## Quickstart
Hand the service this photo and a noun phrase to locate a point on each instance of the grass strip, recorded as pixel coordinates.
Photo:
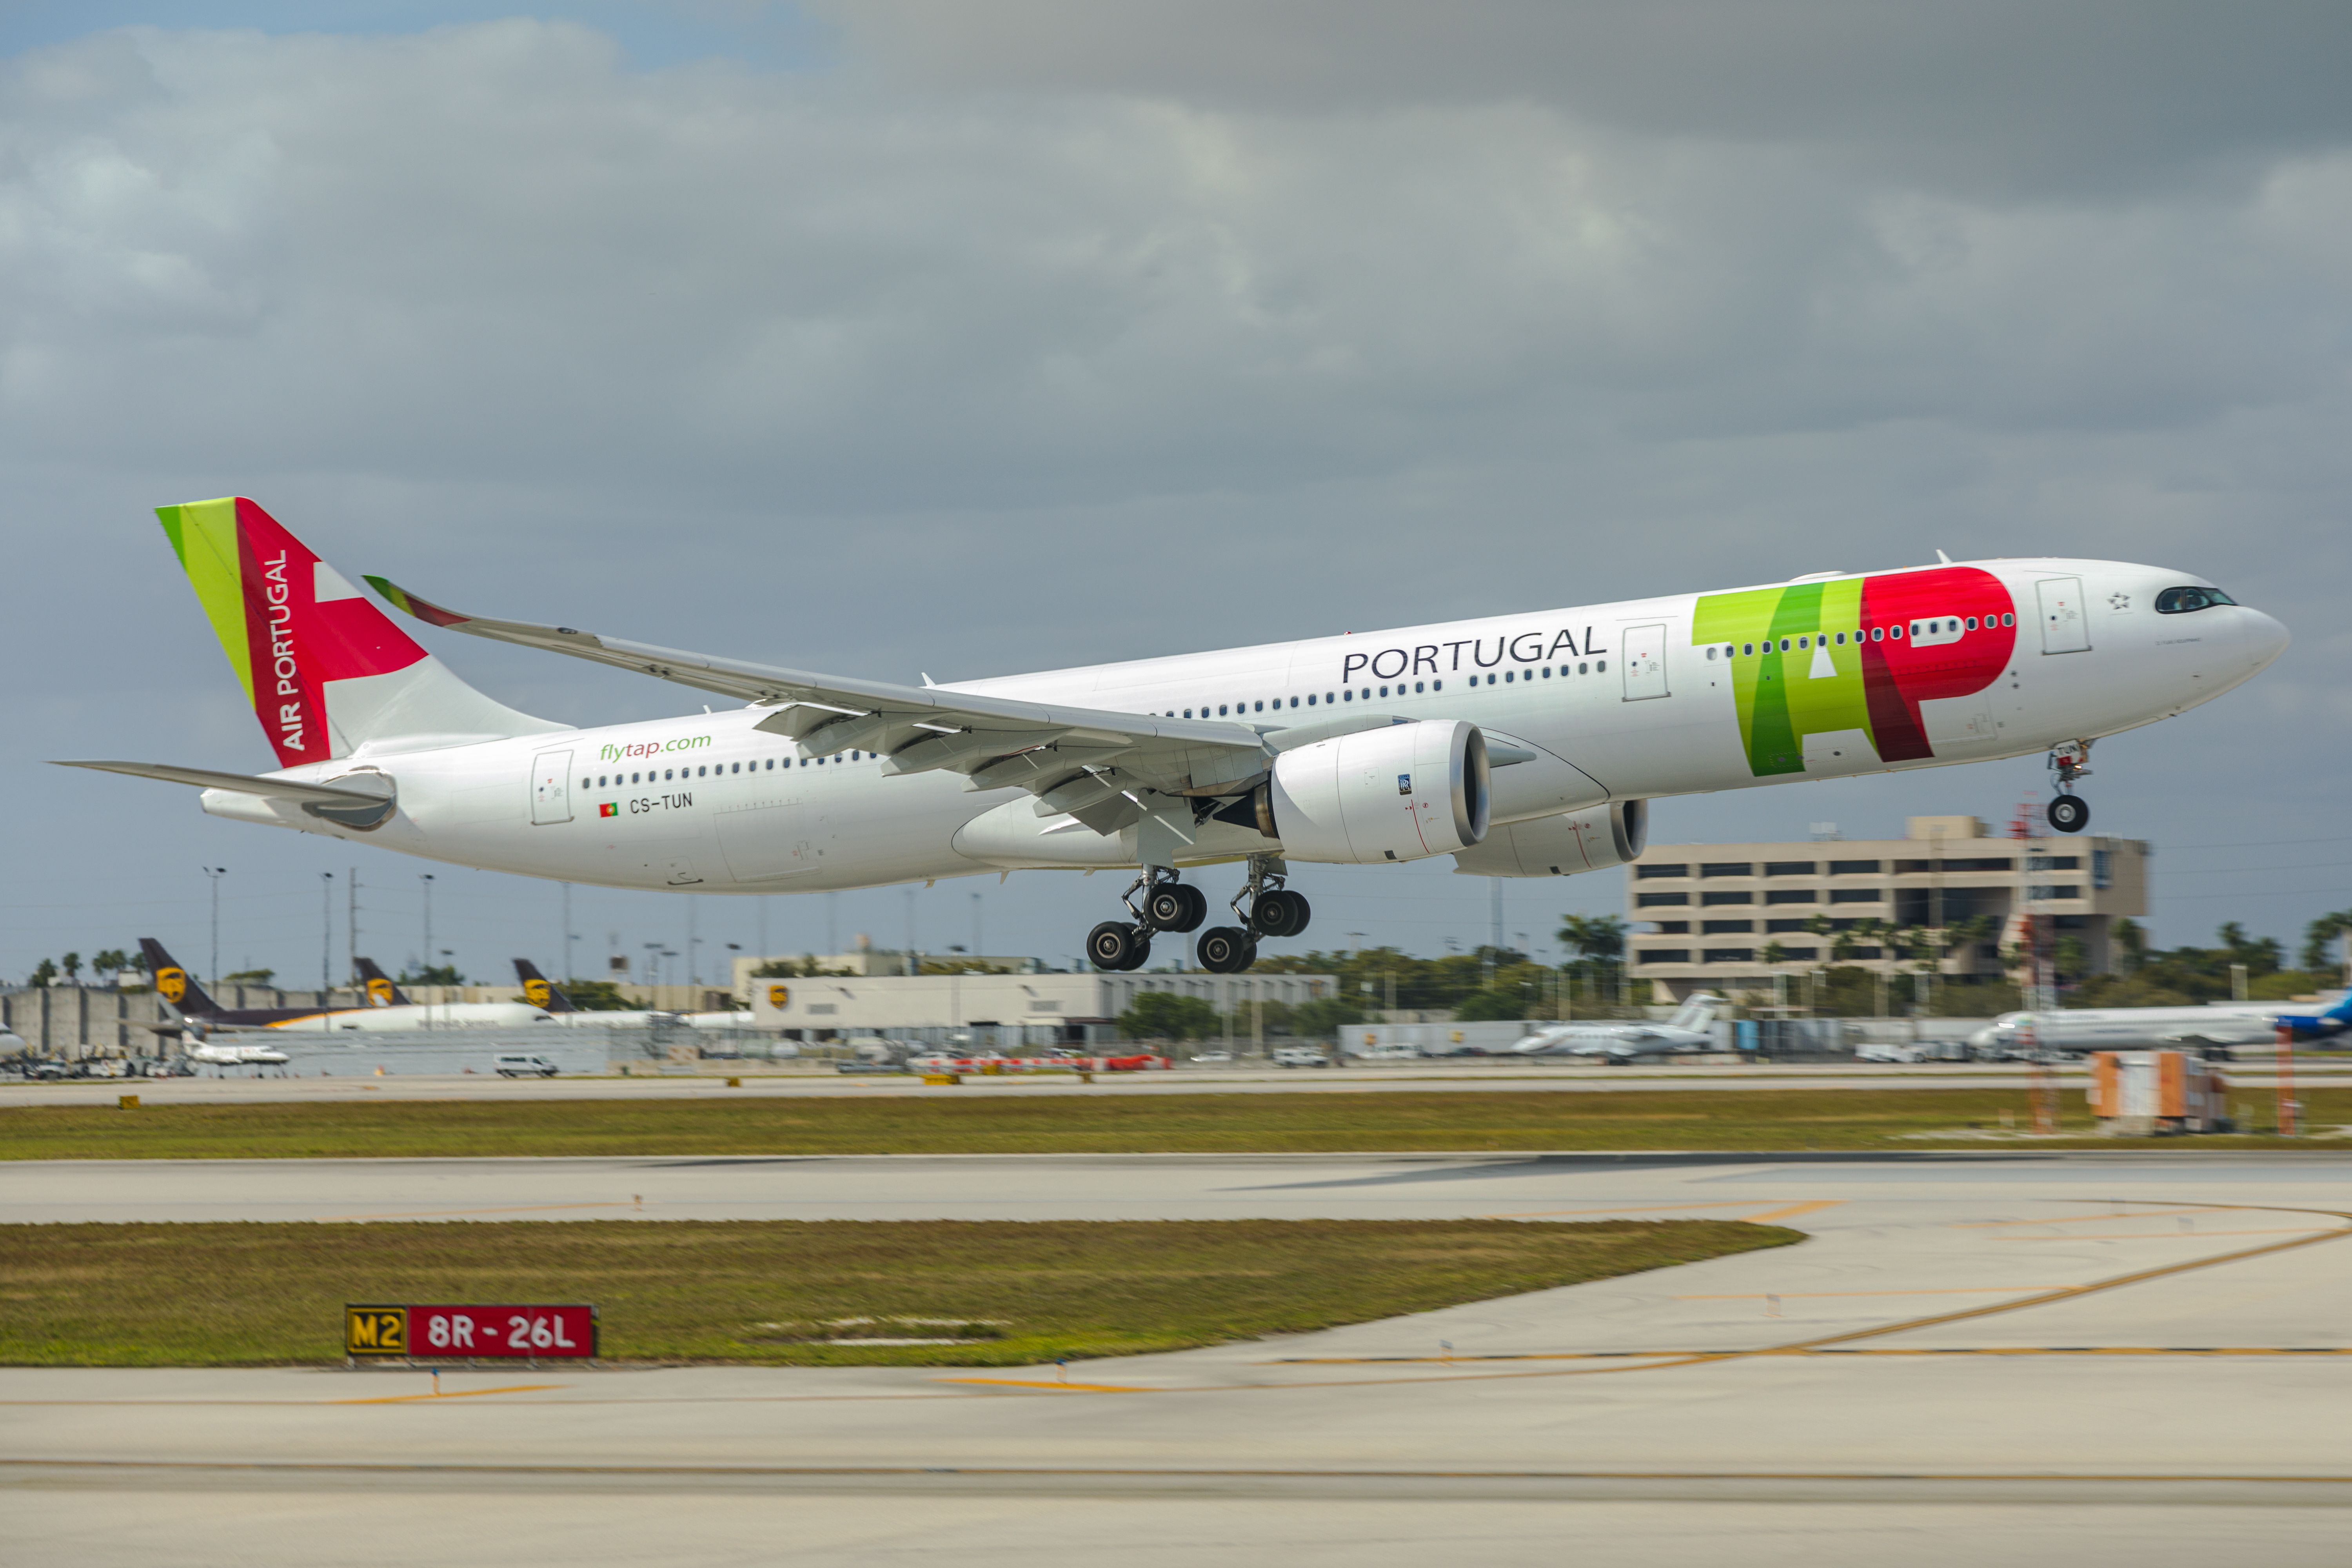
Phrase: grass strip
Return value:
(957, 1123)
(775, 1292)
(954, 1124)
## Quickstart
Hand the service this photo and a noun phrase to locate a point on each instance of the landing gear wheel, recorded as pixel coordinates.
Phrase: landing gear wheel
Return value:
(1225, 949)
(1177, 907)
(1280, 913)
(1117, 945)
(2068, 814)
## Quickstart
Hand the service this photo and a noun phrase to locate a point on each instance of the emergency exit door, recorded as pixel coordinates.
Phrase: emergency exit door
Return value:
(2065, 628)
(1642, 652)
(551, 787)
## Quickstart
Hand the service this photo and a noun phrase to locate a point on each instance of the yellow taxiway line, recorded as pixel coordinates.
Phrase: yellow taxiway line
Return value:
(460, 1394)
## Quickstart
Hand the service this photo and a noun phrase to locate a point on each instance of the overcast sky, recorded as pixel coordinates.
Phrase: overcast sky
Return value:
(915, 336)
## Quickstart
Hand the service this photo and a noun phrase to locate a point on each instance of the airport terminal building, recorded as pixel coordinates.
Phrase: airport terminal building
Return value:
(1703, 915)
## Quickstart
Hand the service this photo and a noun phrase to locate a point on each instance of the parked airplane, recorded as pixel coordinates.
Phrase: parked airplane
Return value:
(2079, 1029)
(391, 1008)
(1522, 745)
(196, 1015)
(222, 1053)
(1686, 1032)
(545, 994)
(193, 1013)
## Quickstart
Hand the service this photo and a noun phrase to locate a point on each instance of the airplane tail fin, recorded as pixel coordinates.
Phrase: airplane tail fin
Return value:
(1697, 1012)
(173, 983)
(327, 672)
(380, 991)
(540, 991)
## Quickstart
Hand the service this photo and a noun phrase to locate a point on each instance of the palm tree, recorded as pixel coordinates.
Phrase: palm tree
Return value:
(1598, 941)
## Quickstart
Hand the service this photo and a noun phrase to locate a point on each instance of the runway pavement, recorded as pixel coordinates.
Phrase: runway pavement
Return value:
(2134, 1357)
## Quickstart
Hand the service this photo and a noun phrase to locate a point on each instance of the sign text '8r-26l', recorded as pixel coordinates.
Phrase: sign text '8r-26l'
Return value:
(483, 1333)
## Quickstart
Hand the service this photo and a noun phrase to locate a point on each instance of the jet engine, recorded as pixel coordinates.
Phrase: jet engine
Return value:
(1403, 792)
(1592, 839)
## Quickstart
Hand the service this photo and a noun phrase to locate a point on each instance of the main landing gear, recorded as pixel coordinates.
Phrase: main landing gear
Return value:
(1274, 912)
(1167, 904)
(2069, 813)
(1161, 903)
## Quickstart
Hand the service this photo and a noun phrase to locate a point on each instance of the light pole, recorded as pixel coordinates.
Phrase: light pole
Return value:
(426, 878)
(326, 932)
(976, 949)
(214, 874)
(570, 936)
(653, 969)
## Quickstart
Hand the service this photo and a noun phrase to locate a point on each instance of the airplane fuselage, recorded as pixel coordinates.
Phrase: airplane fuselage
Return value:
(1637, 699)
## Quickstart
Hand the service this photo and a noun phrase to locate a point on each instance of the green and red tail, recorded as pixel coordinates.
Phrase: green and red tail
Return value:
(327, 672)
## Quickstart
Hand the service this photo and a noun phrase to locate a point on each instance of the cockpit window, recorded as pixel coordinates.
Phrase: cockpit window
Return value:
(2180, 600)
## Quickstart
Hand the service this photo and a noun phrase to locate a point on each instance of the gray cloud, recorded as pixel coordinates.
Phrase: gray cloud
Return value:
(1000, 352)
(2003, 98)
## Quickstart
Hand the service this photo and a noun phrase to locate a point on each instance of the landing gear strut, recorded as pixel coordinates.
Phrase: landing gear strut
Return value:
(2069, 813)
(1165, 904)
(1273, 911)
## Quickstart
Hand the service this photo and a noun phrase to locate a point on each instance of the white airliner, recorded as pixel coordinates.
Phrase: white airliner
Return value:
(1684, 1033)
(1524, 744)
(2079, 1029)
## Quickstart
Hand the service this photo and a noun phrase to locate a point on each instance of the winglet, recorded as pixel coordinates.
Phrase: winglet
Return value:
(425, 610)
(1940, 556)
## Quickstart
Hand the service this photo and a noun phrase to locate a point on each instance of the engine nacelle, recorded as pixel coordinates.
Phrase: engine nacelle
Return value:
(1402, 793)
(1592, 839)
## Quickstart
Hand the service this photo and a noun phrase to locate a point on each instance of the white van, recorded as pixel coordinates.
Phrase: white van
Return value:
(520, 1066)
(1300, 1057)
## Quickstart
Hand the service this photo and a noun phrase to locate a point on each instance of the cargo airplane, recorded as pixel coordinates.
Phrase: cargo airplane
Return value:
(387, 1011)
(1524, 744)
(540, 991)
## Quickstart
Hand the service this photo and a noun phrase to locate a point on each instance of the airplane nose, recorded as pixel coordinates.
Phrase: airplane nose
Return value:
(2265, 638)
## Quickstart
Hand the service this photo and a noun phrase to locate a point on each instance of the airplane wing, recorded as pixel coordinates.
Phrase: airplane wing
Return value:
(1091, 764)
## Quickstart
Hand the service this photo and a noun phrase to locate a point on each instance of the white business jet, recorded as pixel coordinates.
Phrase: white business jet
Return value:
(1684, 1033)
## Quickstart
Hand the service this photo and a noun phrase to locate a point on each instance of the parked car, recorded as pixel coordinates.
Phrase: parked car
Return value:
(1213, 1055)
(1882, 1052)
(1300, 1057)
(521, 1064)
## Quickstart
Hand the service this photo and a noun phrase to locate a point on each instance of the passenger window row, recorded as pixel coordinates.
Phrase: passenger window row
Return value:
(1940, 625)
(1332, 698)
(769, 764)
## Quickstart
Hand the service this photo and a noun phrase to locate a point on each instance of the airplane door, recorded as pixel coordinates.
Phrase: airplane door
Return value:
(1642, 651)
(2065, 628)
(551, 787)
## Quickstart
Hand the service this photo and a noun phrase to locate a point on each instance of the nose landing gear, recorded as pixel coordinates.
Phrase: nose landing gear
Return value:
(2069, 813)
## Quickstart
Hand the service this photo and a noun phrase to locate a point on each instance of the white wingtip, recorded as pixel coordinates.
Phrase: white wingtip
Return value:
(1944, 558)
